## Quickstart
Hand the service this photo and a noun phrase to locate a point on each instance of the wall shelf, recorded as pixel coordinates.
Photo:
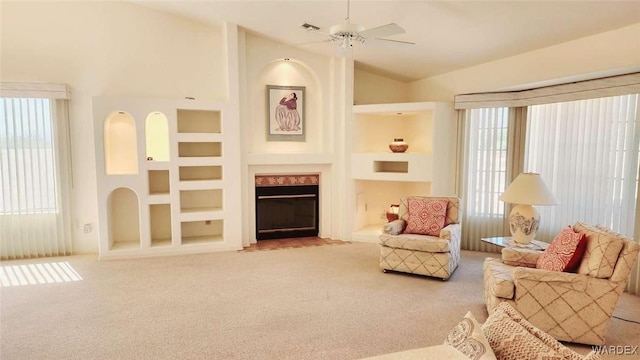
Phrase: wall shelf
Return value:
(199, 149)
(381, 177)
(174, 205)
(203, 231)
(199, 121)
(159, 182)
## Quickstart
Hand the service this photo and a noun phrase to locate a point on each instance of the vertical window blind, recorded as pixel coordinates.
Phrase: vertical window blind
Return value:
(588, 153)
(34, 215)
(484, 174)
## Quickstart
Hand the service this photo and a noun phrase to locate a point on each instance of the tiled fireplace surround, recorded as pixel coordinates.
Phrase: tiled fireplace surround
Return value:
(323, 174)
(287, 206)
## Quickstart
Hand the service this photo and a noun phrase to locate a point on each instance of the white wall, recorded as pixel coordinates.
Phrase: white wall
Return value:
(601, 53)
(372, 88)
(107, 49)
(324, 81)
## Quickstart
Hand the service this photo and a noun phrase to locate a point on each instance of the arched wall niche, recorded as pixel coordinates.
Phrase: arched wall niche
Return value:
(291, 72)
(120, 144)
(157, 137)
(124, 219)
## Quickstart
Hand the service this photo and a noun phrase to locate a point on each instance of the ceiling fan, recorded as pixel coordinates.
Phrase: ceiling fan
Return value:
(346, 34)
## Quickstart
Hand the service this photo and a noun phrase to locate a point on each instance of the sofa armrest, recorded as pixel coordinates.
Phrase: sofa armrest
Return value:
(395, 227)
(451, 232)
(520, 257)
(562, 281)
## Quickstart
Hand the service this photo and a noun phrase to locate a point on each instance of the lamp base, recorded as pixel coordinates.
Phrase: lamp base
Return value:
(523, 223)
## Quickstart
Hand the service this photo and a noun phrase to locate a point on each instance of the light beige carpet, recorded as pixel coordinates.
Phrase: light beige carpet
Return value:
(325, 302)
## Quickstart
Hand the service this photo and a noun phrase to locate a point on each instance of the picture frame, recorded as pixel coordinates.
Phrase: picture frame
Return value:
(286, 120)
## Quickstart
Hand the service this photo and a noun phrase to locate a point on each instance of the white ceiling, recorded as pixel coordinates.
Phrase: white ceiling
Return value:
(449, 35)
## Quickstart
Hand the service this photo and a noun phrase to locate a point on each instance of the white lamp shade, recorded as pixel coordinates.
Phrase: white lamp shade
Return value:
(528, 189)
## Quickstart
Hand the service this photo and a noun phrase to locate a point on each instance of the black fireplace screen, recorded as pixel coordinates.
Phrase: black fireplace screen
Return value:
(286, 211)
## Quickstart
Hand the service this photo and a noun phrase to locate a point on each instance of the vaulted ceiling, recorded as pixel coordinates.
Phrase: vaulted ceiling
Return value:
(448, 35)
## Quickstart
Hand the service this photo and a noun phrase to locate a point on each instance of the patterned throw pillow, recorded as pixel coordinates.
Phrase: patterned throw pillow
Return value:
(426, 217)
(564, 253)
(467, 337)
(514, 338)
(601, 254)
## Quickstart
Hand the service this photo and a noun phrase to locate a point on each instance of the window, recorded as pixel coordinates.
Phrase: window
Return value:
(484, 174)
(588, 153)
(27, 159)
(34, 171)
(487, 161)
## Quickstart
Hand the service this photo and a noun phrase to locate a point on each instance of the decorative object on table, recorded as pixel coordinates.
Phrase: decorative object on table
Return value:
(285, 113)
(526, 190)
(392, 212)
(398, 145)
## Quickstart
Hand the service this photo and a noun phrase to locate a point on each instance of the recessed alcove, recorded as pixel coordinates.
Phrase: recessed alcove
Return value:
(373, 198)
(195, 173)
(200, 200)
(199, 149)
(198, 121)
(205, 231)
(157, 137)
(391, 166)
(160, 224)
(159, 182)
(120, 144)
(124, 219)
(294, 72)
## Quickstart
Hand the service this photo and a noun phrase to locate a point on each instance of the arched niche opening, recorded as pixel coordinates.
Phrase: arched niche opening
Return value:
(124, 219)
(157, 137)
(290, 72)
(120, 144)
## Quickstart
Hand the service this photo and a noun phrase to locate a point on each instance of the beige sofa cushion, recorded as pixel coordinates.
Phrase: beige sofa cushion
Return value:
(513, 338)
(467, 337)
(416, 242)
(601, 253)
(520, 256)
(499, 278)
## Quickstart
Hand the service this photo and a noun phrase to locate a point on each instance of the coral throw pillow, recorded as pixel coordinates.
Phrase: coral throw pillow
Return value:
(564, 253)
(426, 217)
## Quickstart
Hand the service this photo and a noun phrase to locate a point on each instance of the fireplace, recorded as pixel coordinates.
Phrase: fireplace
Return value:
(286, 206)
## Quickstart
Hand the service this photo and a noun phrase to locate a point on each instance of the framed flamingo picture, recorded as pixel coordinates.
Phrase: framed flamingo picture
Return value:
(285, 113)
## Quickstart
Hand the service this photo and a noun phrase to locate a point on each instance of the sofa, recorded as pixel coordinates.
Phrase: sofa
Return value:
(570, 302)
(416, 243)
(505, 335)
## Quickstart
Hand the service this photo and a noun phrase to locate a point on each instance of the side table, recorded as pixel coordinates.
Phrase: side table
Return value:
(507, 241)
(518, 255)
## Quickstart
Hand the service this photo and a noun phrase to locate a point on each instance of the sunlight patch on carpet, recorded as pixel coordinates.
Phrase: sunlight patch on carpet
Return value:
(34, 274)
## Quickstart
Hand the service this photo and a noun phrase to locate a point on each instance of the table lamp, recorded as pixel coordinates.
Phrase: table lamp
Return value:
(526, 190)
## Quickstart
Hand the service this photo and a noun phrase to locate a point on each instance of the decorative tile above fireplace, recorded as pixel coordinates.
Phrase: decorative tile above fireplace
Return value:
(287, 180)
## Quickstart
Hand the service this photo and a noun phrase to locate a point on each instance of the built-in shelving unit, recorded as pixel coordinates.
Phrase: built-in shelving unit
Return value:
(381, 177)
(164, 184)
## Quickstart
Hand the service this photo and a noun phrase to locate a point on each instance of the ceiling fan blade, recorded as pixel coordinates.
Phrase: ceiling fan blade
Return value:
(384, 30)
(387, 41)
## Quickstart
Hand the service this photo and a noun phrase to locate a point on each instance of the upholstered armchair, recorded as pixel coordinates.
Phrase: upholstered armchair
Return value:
(574, 307)
(425, 239)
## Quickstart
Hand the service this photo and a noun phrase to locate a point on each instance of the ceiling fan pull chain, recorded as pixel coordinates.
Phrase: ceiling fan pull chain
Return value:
(348, 3)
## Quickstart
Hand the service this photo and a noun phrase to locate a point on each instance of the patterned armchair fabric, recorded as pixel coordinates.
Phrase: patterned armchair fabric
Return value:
(422, 254)
(573, 307)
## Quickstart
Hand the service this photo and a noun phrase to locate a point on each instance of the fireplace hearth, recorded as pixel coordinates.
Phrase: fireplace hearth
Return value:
(286, 206)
